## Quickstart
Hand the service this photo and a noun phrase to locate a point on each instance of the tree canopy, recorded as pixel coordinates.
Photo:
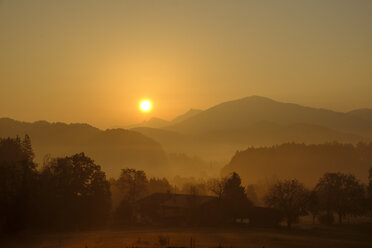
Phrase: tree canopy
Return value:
(290, 198)
(340, 193)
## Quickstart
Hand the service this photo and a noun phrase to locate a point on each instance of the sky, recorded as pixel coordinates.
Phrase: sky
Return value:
(91, 61)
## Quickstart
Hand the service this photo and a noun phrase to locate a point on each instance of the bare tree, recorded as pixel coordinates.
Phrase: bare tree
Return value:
(340, 193)
(290, 198)
(217, 186)
(133, 184)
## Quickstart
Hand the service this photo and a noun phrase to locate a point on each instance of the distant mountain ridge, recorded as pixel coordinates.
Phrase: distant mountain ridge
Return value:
(220, 145)
(304, 162)
(214, 134)
(160, 123)
(257, 121)
(113, 149)
(185, 116)
(152, 123)
(247, 111)
(365, 114)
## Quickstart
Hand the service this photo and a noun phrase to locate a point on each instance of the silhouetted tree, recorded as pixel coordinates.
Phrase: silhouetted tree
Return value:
(27, 148)
(74, 192)
(17, 179)
(133, 184)
(157, 185)
(233, 188)
(192, 190)
(234, 198)
(313, 204)
(217, 186)
(340, 193)
(290, 198)
(197, 188)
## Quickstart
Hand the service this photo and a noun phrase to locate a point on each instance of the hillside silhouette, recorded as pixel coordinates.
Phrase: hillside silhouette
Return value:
(171, 141)
(160, 123)
(152, 123)
(185, 116)
(211, 135)
(305, 162)
(241, 113)
(221, 144)
(113, 148)
(219, 131)
(365, 114)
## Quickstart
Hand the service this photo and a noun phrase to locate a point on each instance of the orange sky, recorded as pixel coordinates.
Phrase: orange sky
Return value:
(92, 61)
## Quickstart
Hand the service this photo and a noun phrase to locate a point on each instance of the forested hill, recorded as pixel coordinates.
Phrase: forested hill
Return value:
(305, 162)
(113, 149)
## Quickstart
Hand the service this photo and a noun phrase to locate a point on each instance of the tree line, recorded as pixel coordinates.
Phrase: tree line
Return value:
(73, 193)
(335, 193)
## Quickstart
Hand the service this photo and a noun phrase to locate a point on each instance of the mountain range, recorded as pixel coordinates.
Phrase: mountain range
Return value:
(216, 133)
(241, 113)
(212, 134)
(365, 114)
(113, 149)
(160, 123)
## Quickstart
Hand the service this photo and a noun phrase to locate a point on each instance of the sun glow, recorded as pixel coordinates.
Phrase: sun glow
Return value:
(145, 105)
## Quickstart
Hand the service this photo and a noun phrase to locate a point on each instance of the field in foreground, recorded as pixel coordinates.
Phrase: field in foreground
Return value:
(345, 236)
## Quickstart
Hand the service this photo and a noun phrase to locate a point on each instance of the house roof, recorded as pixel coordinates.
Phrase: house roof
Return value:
(176, 200)
(154, 199)
(187, 201)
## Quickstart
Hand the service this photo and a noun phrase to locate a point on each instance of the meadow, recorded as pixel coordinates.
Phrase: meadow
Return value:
(352, 235)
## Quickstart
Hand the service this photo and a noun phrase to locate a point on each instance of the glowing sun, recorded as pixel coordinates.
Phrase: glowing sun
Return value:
(145, 105)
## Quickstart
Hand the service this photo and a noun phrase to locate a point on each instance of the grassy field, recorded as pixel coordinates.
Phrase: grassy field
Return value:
(336, 236)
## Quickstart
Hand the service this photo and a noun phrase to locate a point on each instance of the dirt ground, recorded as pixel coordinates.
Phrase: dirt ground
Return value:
(310, 236)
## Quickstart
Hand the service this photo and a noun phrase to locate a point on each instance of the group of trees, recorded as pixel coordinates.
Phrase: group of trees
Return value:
(17, 174)
(73, 192)
(69, 192)
(335, 193)
(232, 200)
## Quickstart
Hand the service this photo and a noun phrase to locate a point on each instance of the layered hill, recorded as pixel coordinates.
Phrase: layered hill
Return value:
(242, 113)
(152, 123)
(365, 114)
(219, 131)
(113, 149)
(214, 134)
(304, 162)
(220, 145)
(160, 123)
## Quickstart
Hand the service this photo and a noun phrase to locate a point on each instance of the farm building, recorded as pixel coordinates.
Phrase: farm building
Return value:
(166, 208)
(181, 209)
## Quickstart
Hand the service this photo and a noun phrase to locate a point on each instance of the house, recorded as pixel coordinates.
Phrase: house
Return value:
(167, 208)
(181, 209)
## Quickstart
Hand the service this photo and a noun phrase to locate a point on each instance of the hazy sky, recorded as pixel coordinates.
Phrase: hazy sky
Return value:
(92, 61)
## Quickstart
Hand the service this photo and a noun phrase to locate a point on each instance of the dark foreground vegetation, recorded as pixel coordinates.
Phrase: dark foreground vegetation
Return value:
(345, 236)
(73, 194)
